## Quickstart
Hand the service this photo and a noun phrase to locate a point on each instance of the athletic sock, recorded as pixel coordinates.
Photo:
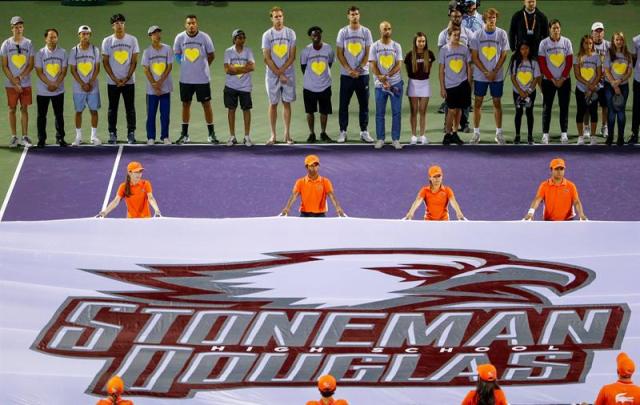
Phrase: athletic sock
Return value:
(211, 129)
(94, 132)
(78, 132)
(185, 128)
(498, 130)
(476, 130)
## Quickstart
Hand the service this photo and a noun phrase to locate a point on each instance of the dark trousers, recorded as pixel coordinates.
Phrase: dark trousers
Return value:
(635, 120)
(616, 116)
(128, 94)
(583, 108)
(57, 103)
(349, 85)
(312, 214)
(529, 113)
(153, 102)
(549, 91)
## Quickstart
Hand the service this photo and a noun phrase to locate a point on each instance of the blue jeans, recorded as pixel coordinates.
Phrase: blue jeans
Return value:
(614, 115)
(396, 110)
(152, 108)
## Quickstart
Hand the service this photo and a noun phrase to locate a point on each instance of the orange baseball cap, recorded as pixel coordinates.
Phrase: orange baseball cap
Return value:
(327, 383)
(115, 385)
(135, 167)
(555, 163)
(626, 366)
(487, 372)
(433, 170)
(311, 159)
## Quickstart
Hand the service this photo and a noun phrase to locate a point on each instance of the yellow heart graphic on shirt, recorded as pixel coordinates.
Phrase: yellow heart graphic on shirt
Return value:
(53, 69)
(386, 61)
(557, 59)
(18, 60)
(318, 67)
(121, 56)
(524, 77)
(280, 50)
(158, 68)
(239, 75)
(587, 73)
(456, 65)
(354, 48)
(85, 68)
(619, 68)
(192, 54)
(489, 52)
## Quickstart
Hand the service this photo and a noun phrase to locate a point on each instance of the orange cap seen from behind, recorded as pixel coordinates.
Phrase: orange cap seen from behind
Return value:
(555, 163)
(626, 366)
(487, 372)
(135, 167)
(115, 385)
(327, 383)
(311, 159)
(435, 169)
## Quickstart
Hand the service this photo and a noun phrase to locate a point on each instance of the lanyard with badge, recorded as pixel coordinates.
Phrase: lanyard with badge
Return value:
(526, 23)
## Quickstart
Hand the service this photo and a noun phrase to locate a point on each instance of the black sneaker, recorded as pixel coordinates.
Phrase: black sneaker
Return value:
(633, 140)
(41, 144)
(311, 138)
(466, 129)
(530, 139)
(620, 140)
(184, 138)
(609, 140)
(325, 138)
(212, 139)
(447, 139)
(131, 138)
(113, 138)
(516, 140)
(62, 142)
(456, 139)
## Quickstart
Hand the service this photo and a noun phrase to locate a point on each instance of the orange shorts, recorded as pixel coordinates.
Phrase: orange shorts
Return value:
(13, 97)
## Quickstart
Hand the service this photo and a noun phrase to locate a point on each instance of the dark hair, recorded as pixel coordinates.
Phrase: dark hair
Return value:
(191, 16)
(127, 186)
(581, 52)
(117, 17)
(314, 28)
(352, 8)
(484, 392)
(327, 394)
(414, 53)
(46, 32)
(516, 57)
(554, 21)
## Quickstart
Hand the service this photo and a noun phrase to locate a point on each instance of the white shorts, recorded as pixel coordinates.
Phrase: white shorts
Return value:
(419, 88)
(278, 92)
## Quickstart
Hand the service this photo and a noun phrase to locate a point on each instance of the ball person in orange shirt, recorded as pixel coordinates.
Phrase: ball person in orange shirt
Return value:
(560, 196)
(115, 388)
(313, 190)
(136, 193)
(624, 391)
(487, 388)
(327, 387)
(436, 198)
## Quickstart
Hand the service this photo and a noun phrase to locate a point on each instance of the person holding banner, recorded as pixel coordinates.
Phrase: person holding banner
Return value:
(560, 196)
(488, 391)
(136, 193)
(313, 190)
(436, 198)
(115, 388)
(623, 391)
(327, 387)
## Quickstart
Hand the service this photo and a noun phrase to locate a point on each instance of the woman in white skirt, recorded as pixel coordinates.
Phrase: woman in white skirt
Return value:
(418, 63)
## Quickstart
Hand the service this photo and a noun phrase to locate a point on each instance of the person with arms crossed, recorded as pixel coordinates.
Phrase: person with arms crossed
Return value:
(525, 77)
(436, 198)
(618, 66)
(51, 68)
(194, 53)
(279, 51)
(17, 63)
(352, 50)
(623, 391)
(313, 190)
(238, 65)
(157, 61)
(587, 70)
(418, 63)
(560, 196)
(137, 194)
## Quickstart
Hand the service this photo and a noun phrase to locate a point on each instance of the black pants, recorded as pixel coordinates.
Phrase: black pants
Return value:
(58, 111)
(312, 214)
(583, 108)
(549, 94)
(529, 113)
(128, 94)
(349, 85)
(635, 121)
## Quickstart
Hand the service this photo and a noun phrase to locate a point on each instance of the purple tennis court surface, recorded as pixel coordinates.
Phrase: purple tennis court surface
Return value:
(491, 183)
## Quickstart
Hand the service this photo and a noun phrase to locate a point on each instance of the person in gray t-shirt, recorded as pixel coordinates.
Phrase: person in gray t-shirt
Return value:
(157, 61)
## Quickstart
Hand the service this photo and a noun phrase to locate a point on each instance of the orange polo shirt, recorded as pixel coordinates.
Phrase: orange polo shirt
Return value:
(138, 201)
(313, 193)
(436, 204)
(118, 402)
(498, 396)
(329, 401)
(619, 393)
(558, 199)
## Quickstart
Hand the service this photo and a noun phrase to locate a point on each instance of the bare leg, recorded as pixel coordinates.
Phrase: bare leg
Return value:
(94, 119)
(422, 108)
(287, 120)
(497, 111)
(78, 120)
(323, 122)
(310, 122)
(24, 120)
(273, 117)
(414, 101)
(12, 121)
(580, 126)
(231, 116)
(208, 112)
(186, 112)
(477, 106)
(246, 115)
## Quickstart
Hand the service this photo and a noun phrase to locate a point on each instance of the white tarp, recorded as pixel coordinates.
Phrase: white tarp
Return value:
(251, 311)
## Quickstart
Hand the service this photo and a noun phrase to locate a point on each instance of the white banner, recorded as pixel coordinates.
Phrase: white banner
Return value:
(252, 311)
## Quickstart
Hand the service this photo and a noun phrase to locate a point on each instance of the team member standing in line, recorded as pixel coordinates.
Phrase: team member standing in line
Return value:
(418, 63)
(635, 121)
(618, 67)
(316, 60)
(587, 69)
(157, 61)
(436, 198)
(489, 48)
(238, 65)
(119, 59)
(137, 194)
(601, 46)
(555, 57)
(51, 68)
(84, 60)
(279, 51)
(17, 63)
(194, 53)
(353, 45)
(525, 77)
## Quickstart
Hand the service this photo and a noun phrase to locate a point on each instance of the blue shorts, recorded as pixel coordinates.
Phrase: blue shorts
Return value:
(480, 88)
(82, 100)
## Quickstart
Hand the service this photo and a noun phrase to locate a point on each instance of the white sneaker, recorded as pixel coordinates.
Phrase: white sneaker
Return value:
(77, 141)
(247, 141)
(365, 137)
(604, 131)
(379, 144)
(593, 141)
(564, 139)
(13, 142)
(423, 140)
(587, 131)
(26, 142)
(342, 138)
(396, 144)
(499, 138)
(166, 141)
(232, 141)
(414, 140)
(95, 141)
(545, 139)
(475, 138)
(580, 140)
(151, 142)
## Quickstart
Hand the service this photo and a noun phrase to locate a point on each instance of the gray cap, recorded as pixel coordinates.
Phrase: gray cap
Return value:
(153, 29)
(16, 20)
(84, 28)
(236, 33)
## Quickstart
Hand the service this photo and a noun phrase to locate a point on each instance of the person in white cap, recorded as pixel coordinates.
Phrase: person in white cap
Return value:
(84, 60)
(17, 63)
(601, 46)
(239, 62)
(157, 61)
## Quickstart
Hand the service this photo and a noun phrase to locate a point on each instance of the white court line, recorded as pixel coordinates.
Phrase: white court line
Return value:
(113, 177)
(13, 183)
